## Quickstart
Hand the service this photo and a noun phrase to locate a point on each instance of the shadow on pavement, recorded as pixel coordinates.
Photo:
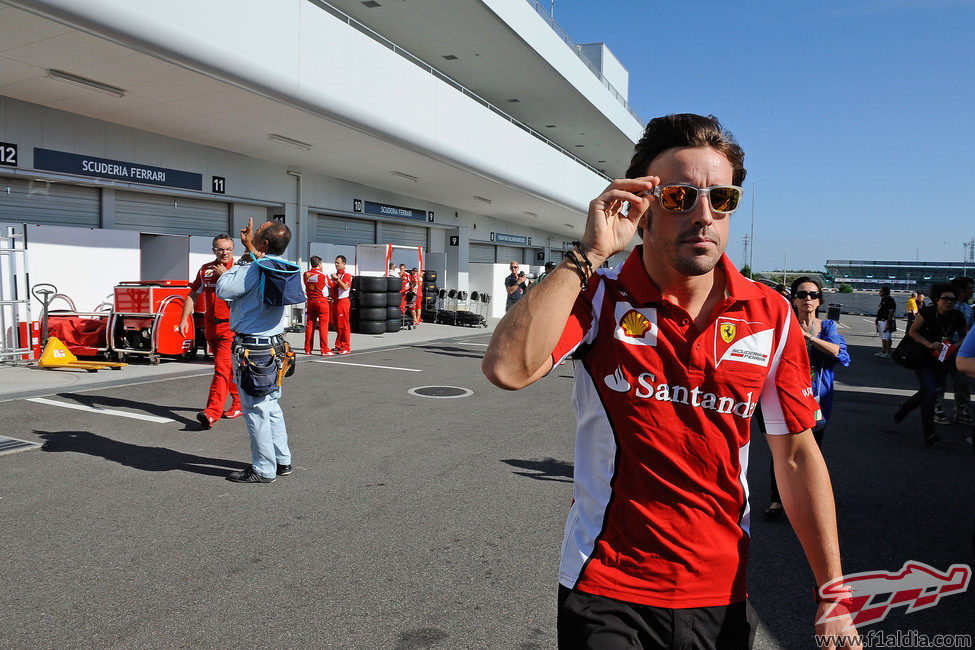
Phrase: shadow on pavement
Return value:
(450, 351)
(545, 469)
(102, 401)
(148, 459)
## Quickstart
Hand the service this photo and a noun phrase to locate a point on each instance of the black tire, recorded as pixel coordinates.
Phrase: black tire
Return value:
(369, 283)
(393, 283)
(372, 327)
(393, 312)
(372, 299)
(394, 299)
(394, 324)
(372, 313)
(429, 276)
(429, 286)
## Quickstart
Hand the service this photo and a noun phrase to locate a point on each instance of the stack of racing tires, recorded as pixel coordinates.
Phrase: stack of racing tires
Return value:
(428, 306)
(376, 304)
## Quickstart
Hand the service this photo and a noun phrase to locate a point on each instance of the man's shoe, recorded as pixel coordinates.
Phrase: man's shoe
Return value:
(248, 476)
(963, 418)
(284, 470)
(344, 352)
(931, 439)
(941, 419)
(233, 413)
(879, 354)
(205, 422)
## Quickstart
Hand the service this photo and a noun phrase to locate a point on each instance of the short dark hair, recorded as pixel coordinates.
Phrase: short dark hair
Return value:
(779, 288)
(342, 257)
(222, 235)
(315, 260)
(686, 130)
(277, 235)
(940, 288)
(801, 280)
(885, 290)
(961, 282)
(550, 265)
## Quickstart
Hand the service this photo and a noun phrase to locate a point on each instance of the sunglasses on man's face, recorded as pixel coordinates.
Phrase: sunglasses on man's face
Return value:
(812, 295)
(683, 198)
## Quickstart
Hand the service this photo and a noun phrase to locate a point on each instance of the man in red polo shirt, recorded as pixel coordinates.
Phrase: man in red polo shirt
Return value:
(406, 285)
(317, 289)
(673, 350)
(216, 328)
(341, 282)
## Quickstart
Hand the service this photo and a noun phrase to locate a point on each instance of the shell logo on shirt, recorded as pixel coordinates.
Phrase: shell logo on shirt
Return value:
(636, 326)
(743, 341)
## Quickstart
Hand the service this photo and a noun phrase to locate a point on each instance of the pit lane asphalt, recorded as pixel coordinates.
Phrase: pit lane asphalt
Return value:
(408, 522)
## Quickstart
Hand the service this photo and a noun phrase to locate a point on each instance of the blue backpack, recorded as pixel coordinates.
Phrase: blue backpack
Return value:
(280, 282)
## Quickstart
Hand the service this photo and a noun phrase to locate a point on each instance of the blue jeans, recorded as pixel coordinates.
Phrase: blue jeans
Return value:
(269, 435)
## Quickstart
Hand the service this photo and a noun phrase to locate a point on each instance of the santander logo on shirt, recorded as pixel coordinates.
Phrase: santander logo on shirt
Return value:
(648, 388)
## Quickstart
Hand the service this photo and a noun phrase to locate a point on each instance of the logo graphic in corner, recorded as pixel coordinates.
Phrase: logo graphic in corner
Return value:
(617, 381)
(728, 331)
(739, 340)
(869, 596)
(636, 326)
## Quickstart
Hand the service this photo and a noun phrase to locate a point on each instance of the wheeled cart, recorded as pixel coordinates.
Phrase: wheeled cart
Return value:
(145, 320)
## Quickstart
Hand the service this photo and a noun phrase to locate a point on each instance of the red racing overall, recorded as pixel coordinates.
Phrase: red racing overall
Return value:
(340, 313)
(317, 289)
(216, 328)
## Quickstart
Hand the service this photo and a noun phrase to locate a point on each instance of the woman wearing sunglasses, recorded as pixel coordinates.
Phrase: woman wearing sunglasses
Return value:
(826, 347)
(939, 327)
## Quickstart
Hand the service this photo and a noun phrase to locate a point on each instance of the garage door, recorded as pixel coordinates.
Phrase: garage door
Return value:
(508, 253)
(481, 253)
(174, 215)
(347, 232)
(402, 234)
(53, 204)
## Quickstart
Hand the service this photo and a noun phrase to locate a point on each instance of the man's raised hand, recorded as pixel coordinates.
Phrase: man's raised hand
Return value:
(608, 228)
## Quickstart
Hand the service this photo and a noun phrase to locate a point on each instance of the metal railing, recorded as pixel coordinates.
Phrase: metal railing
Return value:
(575, 47)
(379, 38)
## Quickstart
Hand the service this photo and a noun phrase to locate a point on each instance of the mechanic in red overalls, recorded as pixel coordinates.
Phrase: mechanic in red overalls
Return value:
(418, 290)
(341, 282)
(216, 328)
(406, 281)
(317, 289)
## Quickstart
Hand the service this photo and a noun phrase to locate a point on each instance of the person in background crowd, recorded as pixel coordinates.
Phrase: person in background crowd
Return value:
(549, 267)
(656, 543)
(515, 284)
(939, 327)
(418, 290)
(341, 282)
(826, 347)
(257, 331)
(965, 362)
(318, 288)
(911, 309)
(782, 290)
(885, 322)
(964, 287)
(920, 300)
(216, 329)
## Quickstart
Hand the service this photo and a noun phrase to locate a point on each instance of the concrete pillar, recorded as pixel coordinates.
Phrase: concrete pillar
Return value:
(107, 208)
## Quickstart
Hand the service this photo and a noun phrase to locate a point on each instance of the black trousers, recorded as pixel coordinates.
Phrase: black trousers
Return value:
(596, 622)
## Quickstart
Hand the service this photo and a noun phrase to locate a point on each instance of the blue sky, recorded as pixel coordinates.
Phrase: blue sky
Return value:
(856, 117)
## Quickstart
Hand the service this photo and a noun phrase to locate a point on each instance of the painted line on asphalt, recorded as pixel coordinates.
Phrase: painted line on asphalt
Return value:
(878, 390)
(364, 365)
(100, 411)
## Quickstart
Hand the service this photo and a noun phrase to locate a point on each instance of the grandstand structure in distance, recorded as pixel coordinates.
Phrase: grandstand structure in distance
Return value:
(903, 276)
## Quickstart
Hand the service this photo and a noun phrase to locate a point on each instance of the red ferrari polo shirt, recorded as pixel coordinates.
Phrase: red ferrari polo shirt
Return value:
(660, 511)
(205, 282)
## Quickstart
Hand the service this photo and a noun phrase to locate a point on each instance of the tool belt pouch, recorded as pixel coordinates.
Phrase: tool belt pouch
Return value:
(287, 356)
(260, 372)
